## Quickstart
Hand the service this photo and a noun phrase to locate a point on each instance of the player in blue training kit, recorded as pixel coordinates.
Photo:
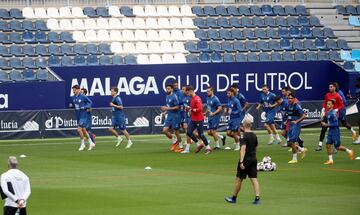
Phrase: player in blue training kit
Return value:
(333, 137)
(234, 110)
(357, 96)
(267, 101)
(118, 118)
(173, 118)
(89, 123)
(82, 106)
(213, 110)
(243, 102)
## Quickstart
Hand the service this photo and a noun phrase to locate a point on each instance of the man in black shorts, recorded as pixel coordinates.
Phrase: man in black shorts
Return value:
(247, 165)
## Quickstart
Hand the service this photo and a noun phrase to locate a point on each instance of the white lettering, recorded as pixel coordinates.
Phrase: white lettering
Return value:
(226, 86)
(307, 87)
(96, 87)
(165, 81)
(123, 86)
(4, 101)
(301, 80)
(204, 82)
(281, 81)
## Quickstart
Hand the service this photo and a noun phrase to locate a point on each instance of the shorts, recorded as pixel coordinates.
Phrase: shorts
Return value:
(234, 124)
(83, 122)
(250, 170)
(333, 137)
(294, 132)
(173, 121)
(118, 122)
(270, 117)
(89, 123)
(213, 123)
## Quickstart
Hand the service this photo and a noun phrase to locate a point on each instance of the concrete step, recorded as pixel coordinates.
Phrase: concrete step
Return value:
(354, 45)
(351, 39)
(348, 33)
(322, 11)
(340, 27)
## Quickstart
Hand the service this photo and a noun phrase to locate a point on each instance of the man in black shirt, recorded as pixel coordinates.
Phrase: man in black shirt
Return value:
(247, 165)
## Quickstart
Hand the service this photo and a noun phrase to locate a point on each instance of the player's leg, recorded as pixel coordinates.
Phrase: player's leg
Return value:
(329, 151)
(81, 134)
(358, 139)
(271, 122)
(256, 186)
(294, 151)
(127, 136)
(346, 124)
(322, 136)
(200, 130)
(87, 136)
(337, 145)
(240, 176)
(292, 137)
(271, 136)
(176, 124)
(236, 135)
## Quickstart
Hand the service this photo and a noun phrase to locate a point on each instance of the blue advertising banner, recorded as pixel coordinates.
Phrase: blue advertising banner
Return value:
(144, 85)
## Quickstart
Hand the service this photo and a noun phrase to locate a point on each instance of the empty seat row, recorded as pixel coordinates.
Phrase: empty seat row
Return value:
(261, 33)
(152, 11)
(91, 60)
(249, 11)
(65, 12)
(161, 59)
(13, 13)
(26, 75)
(148, 48)
(351, 66)
(217, 57)
(235, 22)
(25, 25)
(116, 23)
(348, 9)
(353, 55)
(137, 35)
(40, 36)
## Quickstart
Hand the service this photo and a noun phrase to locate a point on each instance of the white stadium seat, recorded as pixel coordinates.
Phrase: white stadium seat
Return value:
(186, 10)
(90, 24)
(154, 47)
(155, 59)
(77, 12)
(103, 35)
(188, 23)
(164, 35)
(176, 35)
(115, 23)
(152, 35)
(162, 11)
(115, 35)
(129, 48)
(78, 24)
(40, 12)
(139, 23)
(114, 11)
(174, 11)
(102, 23)
(127, 23)
(90, 36)
(175, 23)
(65, 24)
(166, 47)
(128, 35)
(52, 24)
(167, 58)
(140, 35)
(138, 10)
(179, 47)
(151, 23)
(142, 48)
(116, 47)
(143, 59)
(150, 10)
(28, 12)
(179, 58)
(189, 35)
(164, 23)
(53, 12)
(79, 36)
(65, 12)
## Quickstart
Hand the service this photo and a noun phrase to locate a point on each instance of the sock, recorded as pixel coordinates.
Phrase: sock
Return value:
(257, 198)
(208, 147)
(277, 137)
(82, 142)
(330, 158)
(90, 141)
(187, 147)
(295, 156)
(217, 144)
(320, 143)
(300, 149)
(234, 198)
(352, 130)
(220, 136)
(271, 136)
(174, 140)
(119, 138)
(180, 145)
(348, 150)
(129, 141)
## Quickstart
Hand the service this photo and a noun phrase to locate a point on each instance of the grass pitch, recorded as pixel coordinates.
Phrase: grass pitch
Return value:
(112, 180)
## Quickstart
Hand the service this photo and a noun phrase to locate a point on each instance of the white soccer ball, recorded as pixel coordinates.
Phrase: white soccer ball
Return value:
(268, 167)
(274, 166)
(266, 159)
(260, 166)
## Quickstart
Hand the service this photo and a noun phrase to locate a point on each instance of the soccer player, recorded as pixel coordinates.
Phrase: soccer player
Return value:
(267, 101)
(338, 105)
(82, 106)
(89, 122)
(173, 118)
(247, 165)
(357, 96)
(234, 110)
(333, 137)
(176, 89)
(118, 118)
(243, 102)
(213, 110)
(295, 115)
(196, 122)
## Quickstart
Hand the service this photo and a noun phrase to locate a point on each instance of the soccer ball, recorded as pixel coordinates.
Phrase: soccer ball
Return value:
(266, 159)
(260, 166)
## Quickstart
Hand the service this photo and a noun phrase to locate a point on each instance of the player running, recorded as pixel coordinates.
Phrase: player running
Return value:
(243, 102)
(118, 118)
(82, 106)
(357, 96)
(333, 137)
(234, 110)
(267, 101)
(89, 123)
(213, 111)
(173, 118)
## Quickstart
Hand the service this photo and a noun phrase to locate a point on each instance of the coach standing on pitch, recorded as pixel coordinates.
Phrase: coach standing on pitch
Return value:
(15, 187)
(247, 165)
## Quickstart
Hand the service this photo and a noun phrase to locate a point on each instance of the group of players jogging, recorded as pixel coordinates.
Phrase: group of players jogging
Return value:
(184, 111)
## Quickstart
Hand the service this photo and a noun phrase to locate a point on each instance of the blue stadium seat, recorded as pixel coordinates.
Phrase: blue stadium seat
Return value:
(204, 58)
(240, 57)
(16, 51)
(284, 32)
(355, 54)
(201, 34)
(306, 32)
(29, 75)
(102, 12)
(258, 22)
(41, 25)
(298, 45)
(41, 62)
(54, 37)
(4, 64)
(4, 51)
(212, 23)
(216, 57)
(346, 56)
(79, 60)
(67, 49)
(198, 11)
(318, 32)
(28, 25)
(221, 10)
(276, 56)
(279, 10)
(239, 46)
(223, 22)
(262, 45)
(227, 46)
(42, 75)
(334, 55)
(260, 33)
(225, 34)
(191, 47)
(80, 49)
(290, 10)
(248, 34)
(247, 22)
(41, 50)
(267, 10)
(191, 58)
(15, 75)
(270, 21)
(281, 21)
(54, 61)
(272, 33)
(354, 21)
(105, 48)
(92, 60)
(16, 13)
(66, 37)
(256, 10)
(29, 37)
(215, 46)
(16, 63)
(92, 49)
(15, 25)
(301, 9)
(106, 60)
(4, 14)
(342, 44)
(126, 11)
(288, 56)
(329, 33)
(311, 56)
(200, 23)
(213, 34)
(4, 76)
(233, 10)
(331, 44)
(349, 66)
(209, 11)
(252, 57)
(350, 9)
(274, 45)
(358, 9)
(323, 55)
(29, 63)
(129, 59)
(4, 26)
(264, 56)
(90, 12)
(4, 39)
(228, 58)
(245, 11)
(303, 20)
(341, 10)
(235, 22)
(40, 36)
(320, 43)
(292, 21)
(357, 64)
(314, 21)
(294, 32)
(237, 34)
(286, 44)
(54, 49)
(251, 46)
(299, 56)
(203, 46)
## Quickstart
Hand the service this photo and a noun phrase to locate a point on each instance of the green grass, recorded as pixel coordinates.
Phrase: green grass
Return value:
(112, 180)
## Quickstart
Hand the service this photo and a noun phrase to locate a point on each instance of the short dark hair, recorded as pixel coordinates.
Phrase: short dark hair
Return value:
(332, 101)
(189, 88)
(292, 91)
(337, 86)
(76, 86)
(236, 86)
(285, 88)
(292, 95)
(84, 90)
(232, 90)
(115, 89)
(277, 98)
(333, 83)
(170, 85)
(210, 87)
(265, 85)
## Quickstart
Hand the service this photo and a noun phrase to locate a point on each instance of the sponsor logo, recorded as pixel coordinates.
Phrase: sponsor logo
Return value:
(141, 122)
(57, 122)
(4, 101)
(314, 114)
(31, 126)
(8, 124)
